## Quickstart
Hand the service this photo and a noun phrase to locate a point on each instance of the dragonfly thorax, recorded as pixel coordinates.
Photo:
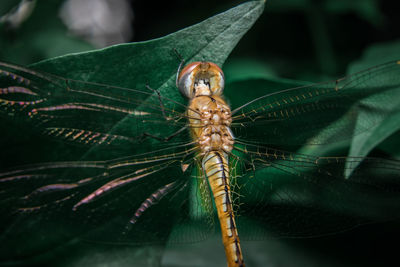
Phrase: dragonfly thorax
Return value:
(210, 120)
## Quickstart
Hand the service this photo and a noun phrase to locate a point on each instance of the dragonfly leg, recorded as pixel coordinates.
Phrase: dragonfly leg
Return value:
(161, 103)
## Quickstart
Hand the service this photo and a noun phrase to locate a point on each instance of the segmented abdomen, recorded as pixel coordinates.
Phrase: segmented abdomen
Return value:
(215, 165)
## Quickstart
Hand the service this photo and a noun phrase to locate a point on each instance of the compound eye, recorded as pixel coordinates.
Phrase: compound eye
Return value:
(201, 78)
(186, 80)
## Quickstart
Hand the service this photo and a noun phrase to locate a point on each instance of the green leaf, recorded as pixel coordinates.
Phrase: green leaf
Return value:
(154, 62)
(373, 107)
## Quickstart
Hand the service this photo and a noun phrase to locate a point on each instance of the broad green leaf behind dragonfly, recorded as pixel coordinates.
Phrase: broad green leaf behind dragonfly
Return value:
(375, 106)
(154, 62)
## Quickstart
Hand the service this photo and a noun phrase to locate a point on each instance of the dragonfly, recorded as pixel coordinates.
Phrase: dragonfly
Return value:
(133, 166)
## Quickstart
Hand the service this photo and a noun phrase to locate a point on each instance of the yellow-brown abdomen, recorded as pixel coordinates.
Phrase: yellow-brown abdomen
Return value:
(216, 168)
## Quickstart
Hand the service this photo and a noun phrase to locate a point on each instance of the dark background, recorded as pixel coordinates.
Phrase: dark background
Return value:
(298, 39)
(295, 38)
(310, 40)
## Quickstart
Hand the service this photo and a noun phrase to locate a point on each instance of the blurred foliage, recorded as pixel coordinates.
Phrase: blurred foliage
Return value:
(42, 35)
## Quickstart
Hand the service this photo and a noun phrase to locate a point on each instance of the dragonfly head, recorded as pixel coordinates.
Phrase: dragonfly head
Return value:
(201, 78)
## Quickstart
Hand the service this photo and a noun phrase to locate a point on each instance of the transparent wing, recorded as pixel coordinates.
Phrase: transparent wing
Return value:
(53, 190)
(142, 199)
(295, 195)
(87, 113)
(309, 114)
